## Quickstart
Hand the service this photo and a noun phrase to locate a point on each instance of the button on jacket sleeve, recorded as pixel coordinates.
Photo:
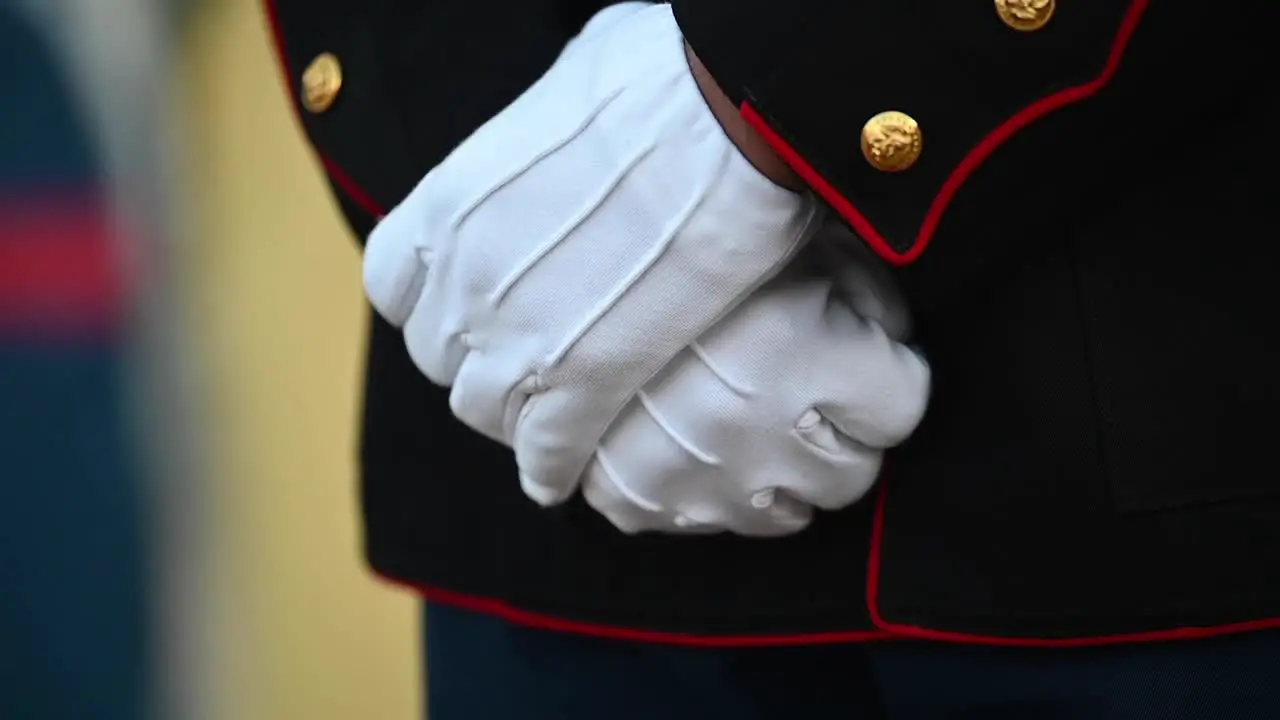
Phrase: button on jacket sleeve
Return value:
(368, 80)
(886, 108)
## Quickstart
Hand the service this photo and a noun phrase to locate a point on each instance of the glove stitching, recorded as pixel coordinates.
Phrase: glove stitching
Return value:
(669, 429)
(740, 388)
(655, 253)
(465, 211)
(622, 487)
(551, 243)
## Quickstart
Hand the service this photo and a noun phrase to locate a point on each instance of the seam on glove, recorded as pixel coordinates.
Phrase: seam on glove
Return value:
(622, 487)
(669, 429)
(740, 388)
(655, 253)
(559, 236)
(465, 211)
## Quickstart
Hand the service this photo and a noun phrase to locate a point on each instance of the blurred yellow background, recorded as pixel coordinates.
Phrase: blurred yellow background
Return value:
(297, 628)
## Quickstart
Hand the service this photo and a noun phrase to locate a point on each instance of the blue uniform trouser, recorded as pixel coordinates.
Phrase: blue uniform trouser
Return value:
(481, 668)
(74, 632)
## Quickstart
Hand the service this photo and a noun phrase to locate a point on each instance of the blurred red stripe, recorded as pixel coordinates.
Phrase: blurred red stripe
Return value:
(60, 264)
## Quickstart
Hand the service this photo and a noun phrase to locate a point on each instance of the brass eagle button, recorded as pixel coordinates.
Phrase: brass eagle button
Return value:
(891, 141)
(321, 82)
(1025, 15)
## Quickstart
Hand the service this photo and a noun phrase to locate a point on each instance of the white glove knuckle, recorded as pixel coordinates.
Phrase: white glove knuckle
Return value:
(437, 355)
(768, 528)
(543, 493)
(820, 436)
(904, 415)
(393, 278)
(603, 496)
(840, 493)
(625, 521)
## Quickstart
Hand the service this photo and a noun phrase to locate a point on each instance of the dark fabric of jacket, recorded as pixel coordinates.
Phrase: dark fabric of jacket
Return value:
(1083, 243)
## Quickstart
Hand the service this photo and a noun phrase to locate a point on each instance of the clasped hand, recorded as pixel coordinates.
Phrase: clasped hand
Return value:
(609, 288)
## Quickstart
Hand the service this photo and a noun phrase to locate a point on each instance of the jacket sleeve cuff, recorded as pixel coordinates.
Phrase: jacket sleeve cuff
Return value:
(815, 78)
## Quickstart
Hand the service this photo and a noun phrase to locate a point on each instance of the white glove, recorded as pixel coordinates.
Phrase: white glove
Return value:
(785, 405)
(569, 249)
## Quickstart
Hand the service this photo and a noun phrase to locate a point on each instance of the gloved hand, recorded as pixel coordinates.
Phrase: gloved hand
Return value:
(571, 247)
(784, 405)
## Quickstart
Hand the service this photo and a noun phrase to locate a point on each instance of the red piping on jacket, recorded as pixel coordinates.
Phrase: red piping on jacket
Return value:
(924, 633)
(887, 630)
(967, 166)
(516, 616)
(498, 608)
(336, 173)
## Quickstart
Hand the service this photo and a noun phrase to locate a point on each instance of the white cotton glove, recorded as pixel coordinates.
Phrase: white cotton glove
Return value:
(569, 249)
(785, 405)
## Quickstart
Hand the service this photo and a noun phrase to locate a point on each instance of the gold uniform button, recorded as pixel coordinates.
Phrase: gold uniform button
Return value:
(1025, 15)
(891, 141)
(321, 83)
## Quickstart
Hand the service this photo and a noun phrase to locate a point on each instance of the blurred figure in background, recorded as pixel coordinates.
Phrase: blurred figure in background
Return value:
(73, 610)
(79, 207)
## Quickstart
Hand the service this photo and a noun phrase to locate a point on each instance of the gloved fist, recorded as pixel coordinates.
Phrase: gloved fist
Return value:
(571, 247)
(785, 405)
